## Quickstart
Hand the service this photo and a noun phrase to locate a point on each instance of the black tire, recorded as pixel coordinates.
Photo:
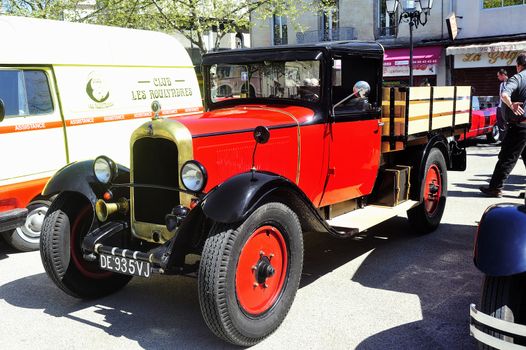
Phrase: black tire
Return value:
(502, 298)
(221, 303)
(26, 238)
(68, 220)
(494, 135)
(423, 218)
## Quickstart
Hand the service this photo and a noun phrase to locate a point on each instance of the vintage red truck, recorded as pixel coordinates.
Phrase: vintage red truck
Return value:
(306, 140)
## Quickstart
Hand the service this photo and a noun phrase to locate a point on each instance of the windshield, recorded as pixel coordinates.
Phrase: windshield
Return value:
(298, 80)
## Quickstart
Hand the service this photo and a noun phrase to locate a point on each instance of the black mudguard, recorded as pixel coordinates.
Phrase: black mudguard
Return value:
(78, 177)
(500, 243)
(235, 199)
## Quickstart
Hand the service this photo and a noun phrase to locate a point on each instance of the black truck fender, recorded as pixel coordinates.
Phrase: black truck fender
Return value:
(236, 198)
(78, 177)
(500, 241)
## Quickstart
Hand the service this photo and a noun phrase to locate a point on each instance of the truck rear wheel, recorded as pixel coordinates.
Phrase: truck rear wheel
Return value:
(249, 274)
(27, 237)
(502, 298)
(426, 216)
(66, 224)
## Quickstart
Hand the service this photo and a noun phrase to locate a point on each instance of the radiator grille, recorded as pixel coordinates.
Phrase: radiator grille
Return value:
(155, 162)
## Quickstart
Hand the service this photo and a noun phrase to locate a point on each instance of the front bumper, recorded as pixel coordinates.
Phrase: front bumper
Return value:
(11, 219)
(478, 318)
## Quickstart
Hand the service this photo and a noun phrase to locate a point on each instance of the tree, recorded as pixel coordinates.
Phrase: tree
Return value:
(193, 18)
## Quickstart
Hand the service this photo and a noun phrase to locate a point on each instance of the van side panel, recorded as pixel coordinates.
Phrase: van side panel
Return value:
(102, 105)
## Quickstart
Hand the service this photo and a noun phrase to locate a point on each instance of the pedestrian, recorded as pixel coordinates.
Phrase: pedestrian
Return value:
(513, 145)
(502, 75)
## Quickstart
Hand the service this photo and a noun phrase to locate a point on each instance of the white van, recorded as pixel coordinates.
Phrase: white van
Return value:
(72, 92)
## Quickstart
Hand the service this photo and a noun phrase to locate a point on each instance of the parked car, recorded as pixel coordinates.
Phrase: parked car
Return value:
(500, 253)
(317, 145)
(64, 85)
(483, 119)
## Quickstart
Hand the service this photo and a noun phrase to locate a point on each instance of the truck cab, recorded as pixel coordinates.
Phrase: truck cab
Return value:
(291, 141)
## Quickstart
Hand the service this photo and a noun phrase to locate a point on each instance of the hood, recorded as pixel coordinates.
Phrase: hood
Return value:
(244, 118)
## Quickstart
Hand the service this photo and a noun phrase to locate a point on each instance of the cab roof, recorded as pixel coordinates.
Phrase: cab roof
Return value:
(32, 41)
(287, 52)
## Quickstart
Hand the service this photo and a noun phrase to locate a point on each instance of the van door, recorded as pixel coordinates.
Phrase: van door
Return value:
(32, 145)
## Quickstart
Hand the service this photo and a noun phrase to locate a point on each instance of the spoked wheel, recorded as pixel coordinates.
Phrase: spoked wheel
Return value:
(27, 237)
(426, 216)
(65, 226)
(249, 274)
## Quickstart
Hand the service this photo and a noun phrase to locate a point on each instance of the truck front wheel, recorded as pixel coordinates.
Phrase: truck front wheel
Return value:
(502, 298)
(249, 274)
(426, 216)
(66, 224)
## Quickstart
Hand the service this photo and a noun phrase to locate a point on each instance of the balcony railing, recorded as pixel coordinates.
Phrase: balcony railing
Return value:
(314, 36)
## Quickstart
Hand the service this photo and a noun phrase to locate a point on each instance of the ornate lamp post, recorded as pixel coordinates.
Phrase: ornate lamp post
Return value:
(414, 12)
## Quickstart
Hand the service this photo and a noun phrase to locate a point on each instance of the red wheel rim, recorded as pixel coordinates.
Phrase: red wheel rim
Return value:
(78, 229)
(258, 286)
(432, 189)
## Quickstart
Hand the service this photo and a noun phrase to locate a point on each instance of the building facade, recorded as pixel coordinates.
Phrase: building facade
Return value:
(490, 35)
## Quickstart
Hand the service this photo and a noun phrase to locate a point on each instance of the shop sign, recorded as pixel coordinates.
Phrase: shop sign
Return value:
(489, 59)
(418, 69)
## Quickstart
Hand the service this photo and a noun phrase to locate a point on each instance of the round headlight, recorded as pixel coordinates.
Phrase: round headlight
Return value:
(104, 169)
(193, 176)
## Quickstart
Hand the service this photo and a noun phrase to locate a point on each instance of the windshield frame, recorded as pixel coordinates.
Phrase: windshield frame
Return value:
(254, 57)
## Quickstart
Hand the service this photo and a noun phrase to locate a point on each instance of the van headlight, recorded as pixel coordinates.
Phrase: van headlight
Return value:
(105, 169)
(193, 176)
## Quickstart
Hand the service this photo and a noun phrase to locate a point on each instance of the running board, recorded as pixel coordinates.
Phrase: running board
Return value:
(361, 219)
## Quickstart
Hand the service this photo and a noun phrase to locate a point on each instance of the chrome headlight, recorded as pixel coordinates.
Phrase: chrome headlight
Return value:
(193, 176)
(105, 169)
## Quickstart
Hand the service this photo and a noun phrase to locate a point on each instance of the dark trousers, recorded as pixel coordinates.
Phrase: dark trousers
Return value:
(501, 120)
(512, 147)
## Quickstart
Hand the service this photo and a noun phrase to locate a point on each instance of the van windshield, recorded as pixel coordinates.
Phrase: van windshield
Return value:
(268, 79)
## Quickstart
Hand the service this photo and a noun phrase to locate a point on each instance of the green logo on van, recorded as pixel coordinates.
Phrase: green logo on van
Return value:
(96, 89)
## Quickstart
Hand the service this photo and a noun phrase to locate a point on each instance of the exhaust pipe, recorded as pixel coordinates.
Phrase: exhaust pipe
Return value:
(103, 210)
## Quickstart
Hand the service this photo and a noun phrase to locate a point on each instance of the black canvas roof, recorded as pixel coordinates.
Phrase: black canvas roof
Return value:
(288, 52)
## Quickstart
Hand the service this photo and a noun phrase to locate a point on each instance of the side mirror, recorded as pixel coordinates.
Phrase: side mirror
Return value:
(2, 110)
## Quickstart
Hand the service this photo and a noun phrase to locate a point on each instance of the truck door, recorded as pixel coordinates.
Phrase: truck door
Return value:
(355, 129)
(32, 145)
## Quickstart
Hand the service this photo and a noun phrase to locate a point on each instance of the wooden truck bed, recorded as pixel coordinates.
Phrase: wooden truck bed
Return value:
(412, 113)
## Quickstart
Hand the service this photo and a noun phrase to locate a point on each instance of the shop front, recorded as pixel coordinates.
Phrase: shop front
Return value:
(425, 66)
(477, 65)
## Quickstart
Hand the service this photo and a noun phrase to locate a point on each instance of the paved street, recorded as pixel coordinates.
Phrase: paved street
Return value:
(388, 290)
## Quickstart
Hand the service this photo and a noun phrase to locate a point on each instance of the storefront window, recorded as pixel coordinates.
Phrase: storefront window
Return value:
(501, 3)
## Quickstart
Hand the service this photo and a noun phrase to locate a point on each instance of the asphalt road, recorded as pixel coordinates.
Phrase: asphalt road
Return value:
(390, 289)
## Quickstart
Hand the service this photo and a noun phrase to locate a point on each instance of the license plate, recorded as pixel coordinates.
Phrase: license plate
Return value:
(124, 265)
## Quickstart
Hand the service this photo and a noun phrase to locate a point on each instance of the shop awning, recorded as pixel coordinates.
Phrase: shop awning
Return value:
(484, 48)
(421, 55)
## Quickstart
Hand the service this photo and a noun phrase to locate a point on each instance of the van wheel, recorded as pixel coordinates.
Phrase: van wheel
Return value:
(66, 224)
(249, 274)
(502, 298)
(27, 237)
(426, 216)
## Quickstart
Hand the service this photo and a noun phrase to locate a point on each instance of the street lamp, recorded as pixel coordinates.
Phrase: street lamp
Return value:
(414, 12)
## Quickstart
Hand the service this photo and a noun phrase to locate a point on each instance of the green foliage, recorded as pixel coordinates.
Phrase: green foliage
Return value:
(193, 18)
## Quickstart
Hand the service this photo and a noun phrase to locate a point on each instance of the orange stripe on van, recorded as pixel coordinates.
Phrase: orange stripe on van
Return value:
(91, 120)
(20, 194)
